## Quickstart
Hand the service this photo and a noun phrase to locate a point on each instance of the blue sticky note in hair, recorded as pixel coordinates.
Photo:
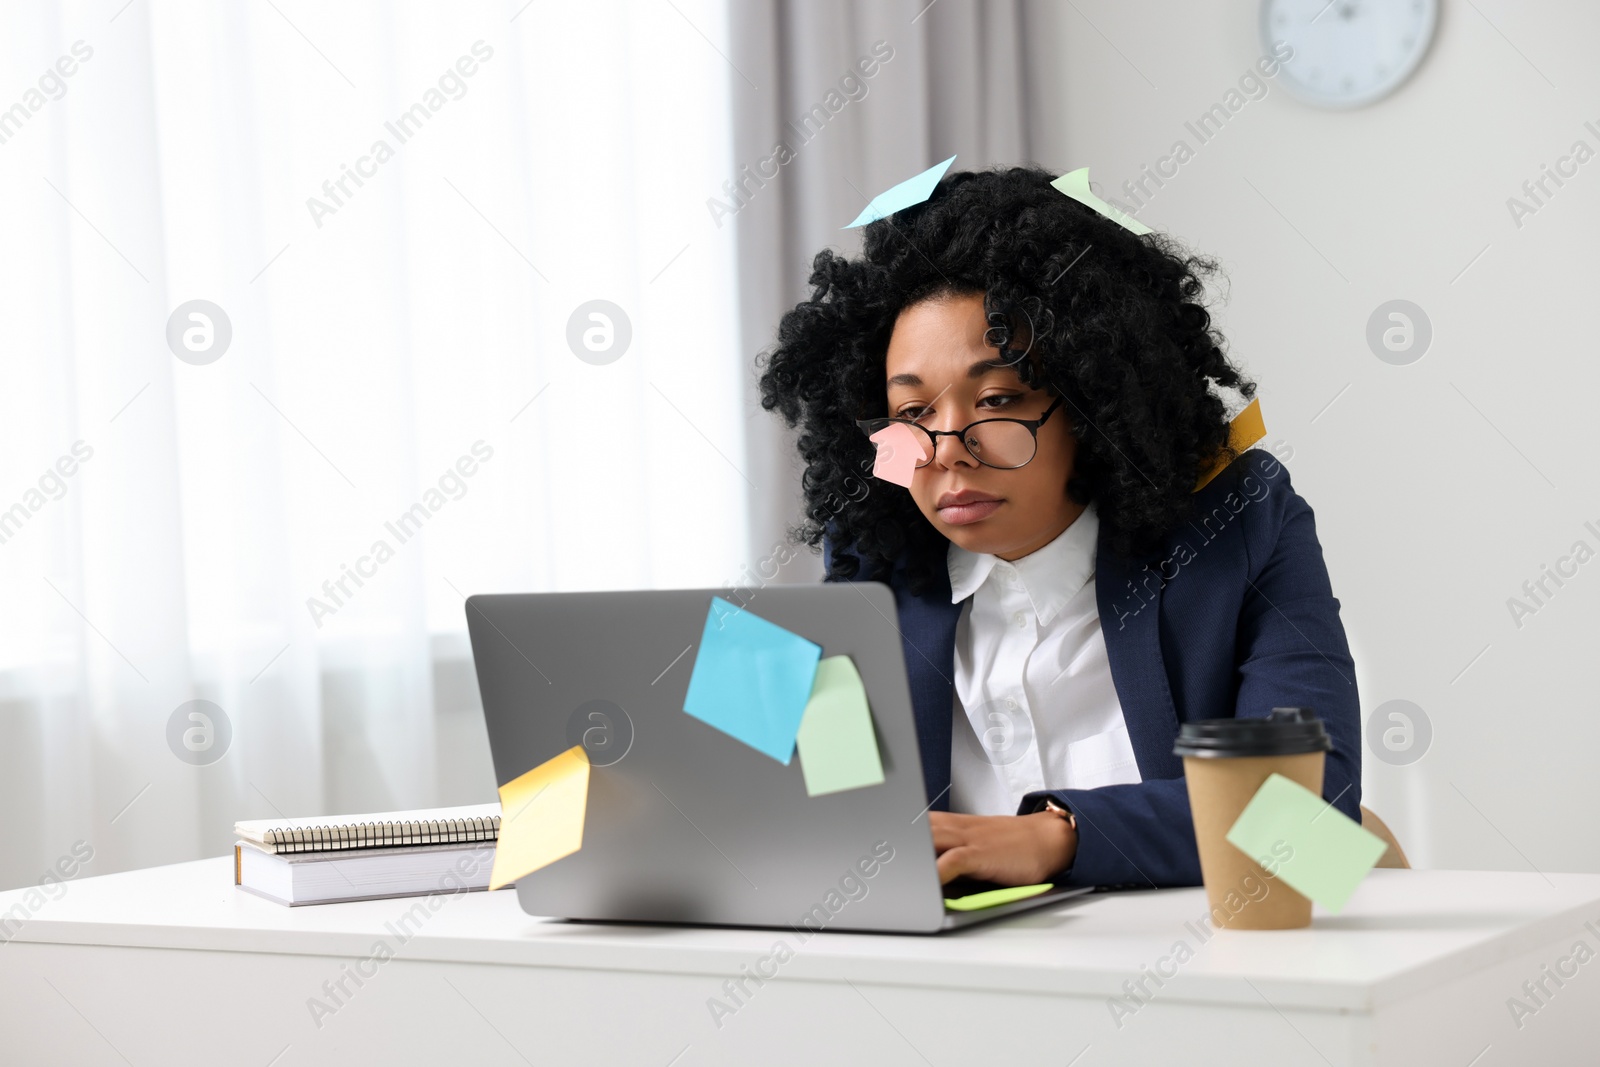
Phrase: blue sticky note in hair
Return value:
(752, 679)
(909, 192)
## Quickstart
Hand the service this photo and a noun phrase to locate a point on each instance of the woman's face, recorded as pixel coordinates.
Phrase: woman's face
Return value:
(938, 374)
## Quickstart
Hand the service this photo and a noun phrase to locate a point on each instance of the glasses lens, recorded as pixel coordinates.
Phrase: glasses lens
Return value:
(1000, 444)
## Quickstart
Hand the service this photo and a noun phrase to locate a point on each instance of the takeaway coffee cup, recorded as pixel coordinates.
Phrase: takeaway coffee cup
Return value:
(1225, 761)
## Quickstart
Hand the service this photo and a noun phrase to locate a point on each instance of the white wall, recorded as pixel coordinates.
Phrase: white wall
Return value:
(1441, 486)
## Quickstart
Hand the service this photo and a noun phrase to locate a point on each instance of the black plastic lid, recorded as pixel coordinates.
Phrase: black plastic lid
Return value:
(1286, 732)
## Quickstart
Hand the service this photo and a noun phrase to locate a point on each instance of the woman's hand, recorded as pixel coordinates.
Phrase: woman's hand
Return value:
(1008, 849)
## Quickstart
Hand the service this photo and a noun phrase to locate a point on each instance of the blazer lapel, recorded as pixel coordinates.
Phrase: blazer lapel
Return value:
(928, 637)
(1128, 594)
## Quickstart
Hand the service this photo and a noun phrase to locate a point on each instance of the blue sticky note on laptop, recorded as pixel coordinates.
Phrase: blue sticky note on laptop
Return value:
(752, 679)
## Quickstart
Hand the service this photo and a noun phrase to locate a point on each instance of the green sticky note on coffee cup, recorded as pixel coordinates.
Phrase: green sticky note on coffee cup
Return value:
(1318, 850)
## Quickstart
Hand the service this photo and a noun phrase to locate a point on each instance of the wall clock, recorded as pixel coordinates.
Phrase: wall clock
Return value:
(1348, 52)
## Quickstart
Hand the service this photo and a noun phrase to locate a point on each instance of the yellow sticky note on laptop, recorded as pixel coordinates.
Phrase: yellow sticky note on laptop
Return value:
(838, 748)
(541, 816)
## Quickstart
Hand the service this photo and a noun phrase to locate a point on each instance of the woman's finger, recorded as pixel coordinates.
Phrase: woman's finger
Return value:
(954, 862)
(947, 833)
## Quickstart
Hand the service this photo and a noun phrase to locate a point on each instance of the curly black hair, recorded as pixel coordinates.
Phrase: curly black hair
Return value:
(1113, 321)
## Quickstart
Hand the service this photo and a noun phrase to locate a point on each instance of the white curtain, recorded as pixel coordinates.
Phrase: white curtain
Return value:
(862, 96)
(399, 374)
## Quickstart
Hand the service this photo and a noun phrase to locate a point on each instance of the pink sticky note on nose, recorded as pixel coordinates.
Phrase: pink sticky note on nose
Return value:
(899, 452)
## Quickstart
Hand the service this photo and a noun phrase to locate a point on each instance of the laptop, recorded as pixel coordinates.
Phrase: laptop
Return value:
(685, 823)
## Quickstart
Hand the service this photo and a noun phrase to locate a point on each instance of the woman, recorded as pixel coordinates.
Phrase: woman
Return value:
(1066, 594)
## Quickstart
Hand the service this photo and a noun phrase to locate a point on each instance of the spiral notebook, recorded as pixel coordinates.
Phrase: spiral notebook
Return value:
(389, 829)
(296, 878)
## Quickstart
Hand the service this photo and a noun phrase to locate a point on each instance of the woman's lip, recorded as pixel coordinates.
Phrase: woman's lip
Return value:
(962, 514)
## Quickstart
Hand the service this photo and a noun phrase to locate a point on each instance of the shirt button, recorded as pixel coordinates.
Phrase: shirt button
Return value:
(1021, 621)
(1012, 704)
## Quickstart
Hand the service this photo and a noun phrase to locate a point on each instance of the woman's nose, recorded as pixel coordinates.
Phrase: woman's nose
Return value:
(949, 451)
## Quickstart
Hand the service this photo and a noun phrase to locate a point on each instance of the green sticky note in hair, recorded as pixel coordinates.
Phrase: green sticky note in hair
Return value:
(1076, 185)
(996, 897)
(1328, 853)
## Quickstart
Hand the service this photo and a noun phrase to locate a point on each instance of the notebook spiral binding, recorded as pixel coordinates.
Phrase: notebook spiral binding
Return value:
(381, 834)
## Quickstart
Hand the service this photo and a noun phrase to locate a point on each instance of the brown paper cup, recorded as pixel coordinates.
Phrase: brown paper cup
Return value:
(1242, 895)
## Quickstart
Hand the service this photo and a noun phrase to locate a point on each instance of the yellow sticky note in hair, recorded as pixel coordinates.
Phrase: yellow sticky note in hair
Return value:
(541, 816)
(1245, 430)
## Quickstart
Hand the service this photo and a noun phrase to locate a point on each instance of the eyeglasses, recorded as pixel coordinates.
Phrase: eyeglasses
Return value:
(1003, 443)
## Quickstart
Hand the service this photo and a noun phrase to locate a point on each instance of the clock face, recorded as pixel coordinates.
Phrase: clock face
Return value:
(1347, 52)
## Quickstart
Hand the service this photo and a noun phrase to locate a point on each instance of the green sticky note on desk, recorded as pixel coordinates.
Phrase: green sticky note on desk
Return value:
(1329, 852)
(838, 749)
(996, 897)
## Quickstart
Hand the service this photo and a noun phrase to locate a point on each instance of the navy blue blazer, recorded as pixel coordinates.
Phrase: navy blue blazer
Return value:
(1233, 617)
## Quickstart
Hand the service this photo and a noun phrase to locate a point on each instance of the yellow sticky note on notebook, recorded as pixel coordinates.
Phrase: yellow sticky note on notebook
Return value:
(838, 748)
(541, 816)
(1245, 430)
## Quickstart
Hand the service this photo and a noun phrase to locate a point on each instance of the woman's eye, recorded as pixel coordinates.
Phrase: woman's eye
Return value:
(915, 413)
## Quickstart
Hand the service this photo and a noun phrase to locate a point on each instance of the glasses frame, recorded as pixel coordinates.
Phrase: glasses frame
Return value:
(872, 426)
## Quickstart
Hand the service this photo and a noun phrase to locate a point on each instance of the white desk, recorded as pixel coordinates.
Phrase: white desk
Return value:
(174, 965)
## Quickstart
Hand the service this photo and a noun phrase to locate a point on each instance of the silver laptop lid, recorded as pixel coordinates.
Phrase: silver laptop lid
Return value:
(684, 822)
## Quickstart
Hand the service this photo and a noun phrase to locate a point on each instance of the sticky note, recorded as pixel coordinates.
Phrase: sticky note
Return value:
(911, 191)
(1245, 430)
(995, 897)
(751, 679)
(899, 452)
(838, 748)
(1076, 185)
(1328, 853)
(541, 816)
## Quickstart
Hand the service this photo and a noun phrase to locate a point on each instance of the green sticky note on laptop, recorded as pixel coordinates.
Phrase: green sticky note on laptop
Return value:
(838, 749)
(1329, 852)
(996, 897)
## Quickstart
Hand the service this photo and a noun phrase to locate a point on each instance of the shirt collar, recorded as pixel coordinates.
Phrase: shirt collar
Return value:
(1051, 575)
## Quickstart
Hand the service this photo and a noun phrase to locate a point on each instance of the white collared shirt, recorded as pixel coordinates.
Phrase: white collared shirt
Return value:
(1035, 707)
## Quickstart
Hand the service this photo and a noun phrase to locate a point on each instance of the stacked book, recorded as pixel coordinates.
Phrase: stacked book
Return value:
(366, 857)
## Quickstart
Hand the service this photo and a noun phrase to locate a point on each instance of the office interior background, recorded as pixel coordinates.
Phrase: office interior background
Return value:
(396, 355)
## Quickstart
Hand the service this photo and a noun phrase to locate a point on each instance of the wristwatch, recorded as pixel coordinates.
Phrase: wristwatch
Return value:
(1051, 805)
